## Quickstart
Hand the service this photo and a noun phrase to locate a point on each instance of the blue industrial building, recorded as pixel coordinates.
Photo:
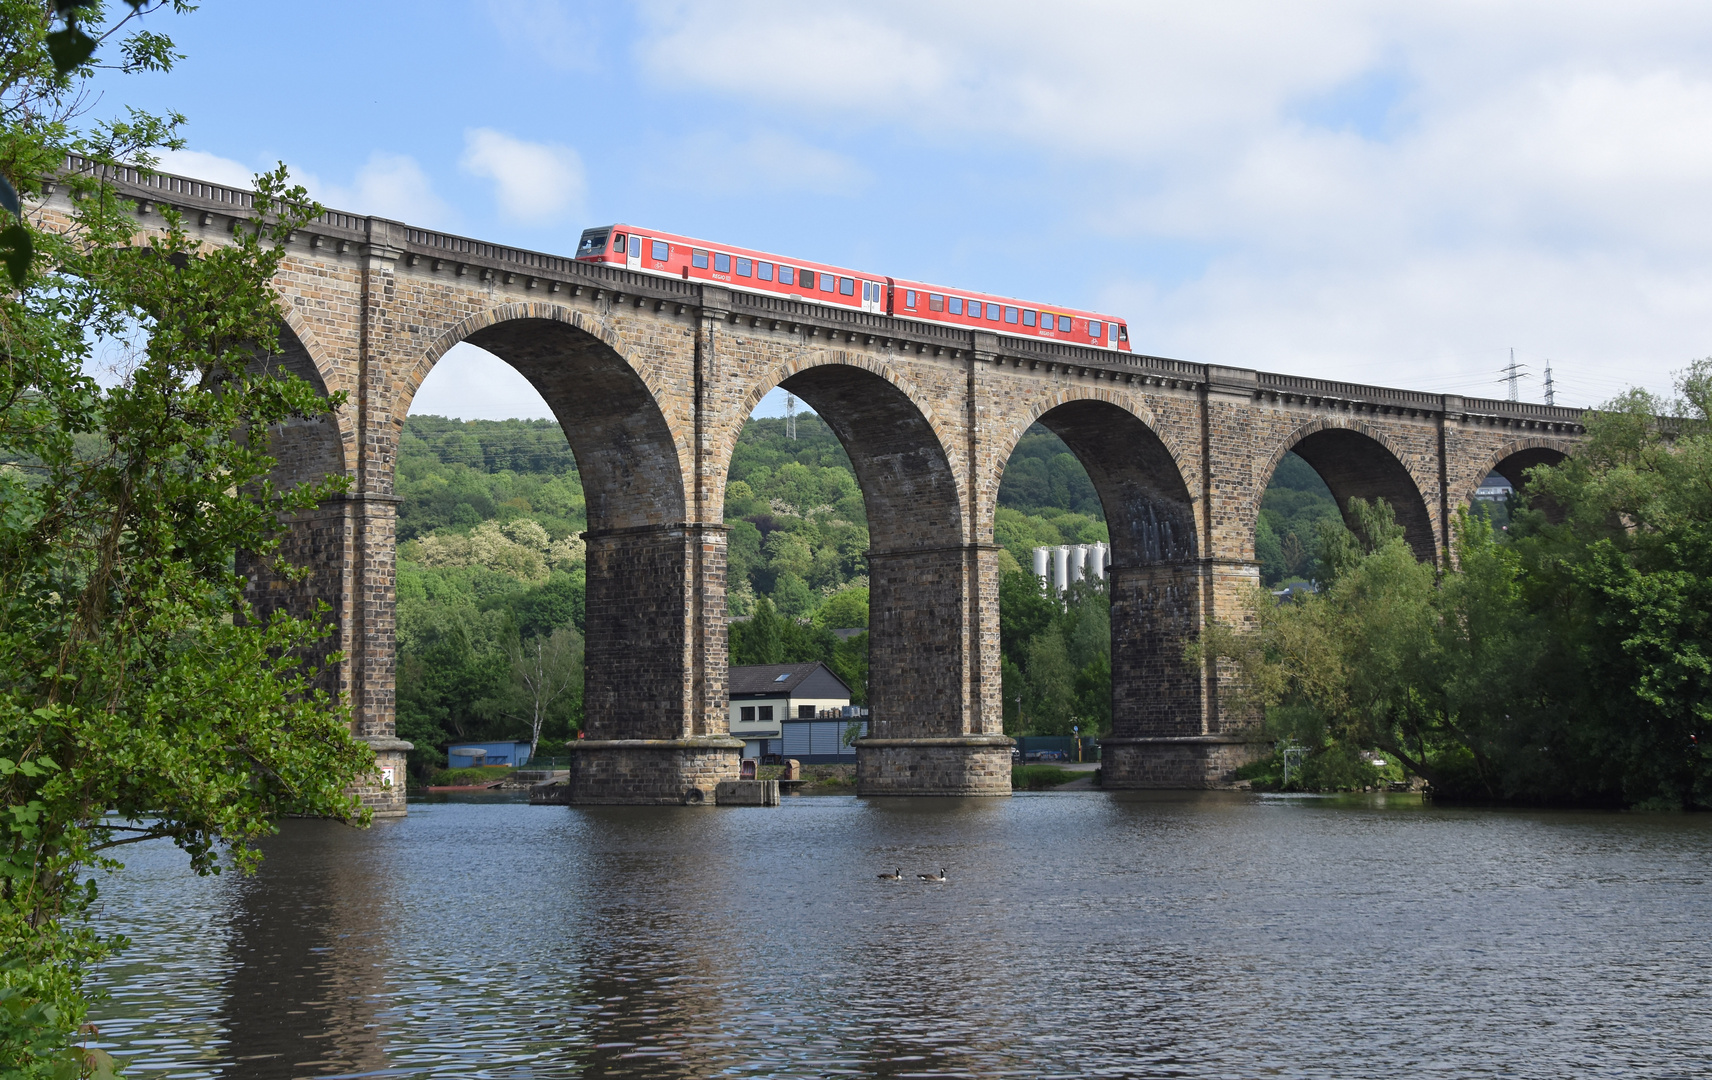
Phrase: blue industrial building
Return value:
(469, 754)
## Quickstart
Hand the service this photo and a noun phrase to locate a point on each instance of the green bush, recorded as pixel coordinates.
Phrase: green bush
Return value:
(479, 774)
(1041, 777)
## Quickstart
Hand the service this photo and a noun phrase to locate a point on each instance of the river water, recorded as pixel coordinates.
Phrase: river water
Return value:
(1086, 934)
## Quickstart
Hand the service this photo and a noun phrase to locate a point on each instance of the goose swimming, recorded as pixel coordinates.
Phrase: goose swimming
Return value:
(940, 880)
(896, 875)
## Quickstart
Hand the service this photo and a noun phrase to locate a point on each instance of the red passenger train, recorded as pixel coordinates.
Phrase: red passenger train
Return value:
(653, 252)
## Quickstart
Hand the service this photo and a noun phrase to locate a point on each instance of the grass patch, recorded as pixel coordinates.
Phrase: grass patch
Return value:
(480, 774)
(1041, 777)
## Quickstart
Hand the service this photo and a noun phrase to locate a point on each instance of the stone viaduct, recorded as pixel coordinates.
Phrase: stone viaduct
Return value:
(653, 378)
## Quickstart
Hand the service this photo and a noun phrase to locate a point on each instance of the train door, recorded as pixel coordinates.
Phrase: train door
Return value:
(874, 297)
(633, 253)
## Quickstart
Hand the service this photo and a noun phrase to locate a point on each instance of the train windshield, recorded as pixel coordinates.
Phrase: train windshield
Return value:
(593, 243)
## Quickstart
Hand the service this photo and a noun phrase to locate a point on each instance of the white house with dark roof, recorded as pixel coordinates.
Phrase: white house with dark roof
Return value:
(797, 711)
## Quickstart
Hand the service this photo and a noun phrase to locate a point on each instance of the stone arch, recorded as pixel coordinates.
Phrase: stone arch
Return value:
(1357, 460)
(796, 375)
(1154, 581)
(925, 665)
(1512, 461)
(630, 454)
(308, 449)
(1157, 439)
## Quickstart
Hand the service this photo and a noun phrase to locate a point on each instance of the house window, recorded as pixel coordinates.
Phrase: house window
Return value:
(747, 713)
(805, 712)
(766, 714)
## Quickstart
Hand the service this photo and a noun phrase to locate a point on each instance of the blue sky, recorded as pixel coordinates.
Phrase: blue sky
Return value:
(1393, 194)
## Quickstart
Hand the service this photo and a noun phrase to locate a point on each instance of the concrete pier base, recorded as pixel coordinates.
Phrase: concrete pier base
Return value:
(955, 765)
(650, 772)
(383, 790)
(1184, 761)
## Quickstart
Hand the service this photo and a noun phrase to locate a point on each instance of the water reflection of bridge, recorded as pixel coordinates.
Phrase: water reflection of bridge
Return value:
(652, 379)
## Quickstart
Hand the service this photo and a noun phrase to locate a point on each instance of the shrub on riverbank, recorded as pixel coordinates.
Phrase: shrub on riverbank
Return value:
(1041, 777)
(1565, 660)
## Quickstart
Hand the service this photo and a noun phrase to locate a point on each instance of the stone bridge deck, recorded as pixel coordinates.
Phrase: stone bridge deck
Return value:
(652, 379)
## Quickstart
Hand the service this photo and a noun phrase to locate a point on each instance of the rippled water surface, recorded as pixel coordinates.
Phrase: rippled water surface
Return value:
(1079, 935)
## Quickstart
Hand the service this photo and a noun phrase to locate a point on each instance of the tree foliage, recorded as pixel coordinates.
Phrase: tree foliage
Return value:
(140, 697)
(1566, 660)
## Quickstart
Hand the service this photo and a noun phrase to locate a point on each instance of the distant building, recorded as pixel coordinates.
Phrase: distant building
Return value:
(800, 711)
(1494, 489)
(470, 754)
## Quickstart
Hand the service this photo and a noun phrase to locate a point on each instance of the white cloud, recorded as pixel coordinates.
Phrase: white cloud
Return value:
(1528, 174)
(534, 182)
(470, 383)
(210, 167)
(388, 185)
(764, 162)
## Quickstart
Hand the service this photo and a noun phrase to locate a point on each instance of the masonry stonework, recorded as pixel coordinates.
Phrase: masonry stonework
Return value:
(652, 380)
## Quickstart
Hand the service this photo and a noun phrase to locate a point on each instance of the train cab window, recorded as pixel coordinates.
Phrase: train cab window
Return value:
(1028, 318)
(787, 275)
(807, 277)
(935, 302)
(974, 309)
(1123, 333)
(722, 263)
(745, 268)
(660, 251)
(699, 258)
(618, 244)
(1093, 328)
(909, 298)
(1064, 324)
(956, 305)
(1011, 315)
(764, 271)
(593, 243)
(847, 286)
(827, 281)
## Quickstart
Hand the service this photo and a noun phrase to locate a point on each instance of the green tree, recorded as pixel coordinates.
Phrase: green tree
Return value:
(140, 697)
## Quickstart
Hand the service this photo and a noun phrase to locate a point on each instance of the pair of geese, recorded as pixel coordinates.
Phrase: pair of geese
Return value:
(898, 875)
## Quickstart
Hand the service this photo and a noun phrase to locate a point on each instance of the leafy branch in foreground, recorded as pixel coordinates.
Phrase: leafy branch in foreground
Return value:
(141, 698)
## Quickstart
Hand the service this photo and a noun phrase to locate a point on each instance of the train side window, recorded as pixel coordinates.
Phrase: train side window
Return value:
(935, 302)
(745, 268)
(974, 309)
(618, 244)
(787, 275)
(909, 298)
(1028, 318)
(1093, 328)
(1064, 324)
(722, 263)
(807, 278)
(847, 286)
(660, 251)
(1011, 315)
(699, 258)
(827, 281)
(764, 271)
(992, 312)
(956, 305)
